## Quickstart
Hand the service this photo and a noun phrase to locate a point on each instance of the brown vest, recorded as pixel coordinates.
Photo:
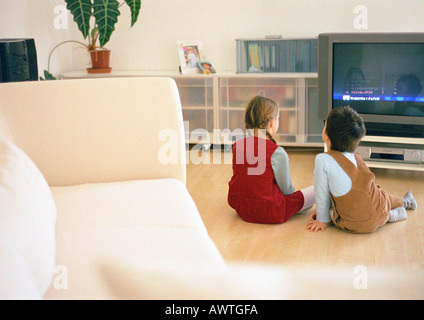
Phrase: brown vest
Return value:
(365, 207)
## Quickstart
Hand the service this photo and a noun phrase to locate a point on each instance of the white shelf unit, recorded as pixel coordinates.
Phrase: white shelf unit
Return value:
(295, 94)
(215, 103)
(197, 100)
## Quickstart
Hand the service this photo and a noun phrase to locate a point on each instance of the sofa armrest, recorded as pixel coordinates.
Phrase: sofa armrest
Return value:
(97, 130)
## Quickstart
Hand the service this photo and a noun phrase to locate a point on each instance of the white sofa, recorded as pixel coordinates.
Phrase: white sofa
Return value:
(109, 217)
(97, 143)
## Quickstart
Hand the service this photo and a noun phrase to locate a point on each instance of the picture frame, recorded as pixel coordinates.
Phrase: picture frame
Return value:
(206, 67)
(190, 52)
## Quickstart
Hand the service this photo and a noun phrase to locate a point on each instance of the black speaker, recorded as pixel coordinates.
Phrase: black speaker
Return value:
(18, 60)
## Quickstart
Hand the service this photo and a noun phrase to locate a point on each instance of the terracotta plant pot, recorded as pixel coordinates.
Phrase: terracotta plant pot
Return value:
(100, 60)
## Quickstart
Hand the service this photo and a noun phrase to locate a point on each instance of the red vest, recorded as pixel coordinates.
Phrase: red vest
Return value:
(253, 191)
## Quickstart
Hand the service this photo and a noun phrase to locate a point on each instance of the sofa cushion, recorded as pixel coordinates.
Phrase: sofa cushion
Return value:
(27, 222)
(80, 250)
(153, 218)
(138, 278)
(127, 204)
(16, 279)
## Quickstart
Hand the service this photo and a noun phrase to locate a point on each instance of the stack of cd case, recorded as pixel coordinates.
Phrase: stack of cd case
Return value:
(277, 55)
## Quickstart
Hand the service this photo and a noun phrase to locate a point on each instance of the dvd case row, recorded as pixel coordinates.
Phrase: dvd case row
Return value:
(277, 55)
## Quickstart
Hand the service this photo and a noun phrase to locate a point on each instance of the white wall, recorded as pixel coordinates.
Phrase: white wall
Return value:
(151, 43)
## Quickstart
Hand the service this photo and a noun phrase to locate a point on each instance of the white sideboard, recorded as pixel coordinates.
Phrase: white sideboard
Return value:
(213, 104)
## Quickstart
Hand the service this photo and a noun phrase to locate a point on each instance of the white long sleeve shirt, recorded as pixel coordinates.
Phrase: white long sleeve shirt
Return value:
(281, 169)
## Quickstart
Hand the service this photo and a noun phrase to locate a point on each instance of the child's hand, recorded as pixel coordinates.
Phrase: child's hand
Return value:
(315, 225)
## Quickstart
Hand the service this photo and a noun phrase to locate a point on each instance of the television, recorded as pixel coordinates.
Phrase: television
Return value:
(380, 75)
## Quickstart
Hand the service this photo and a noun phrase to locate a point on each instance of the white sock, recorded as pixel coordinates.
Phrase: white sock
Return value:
(309, 197)
(397, 214)
(409, 202)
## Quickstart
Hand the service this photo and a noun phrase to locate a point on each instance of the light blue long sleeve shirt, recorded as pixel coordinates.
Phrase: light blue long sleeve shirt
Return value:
(329, 177)
(281, 169)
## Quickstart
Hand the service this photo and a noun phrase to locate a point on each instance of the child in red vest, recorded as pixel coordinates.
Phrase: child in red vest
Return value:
(260, 189)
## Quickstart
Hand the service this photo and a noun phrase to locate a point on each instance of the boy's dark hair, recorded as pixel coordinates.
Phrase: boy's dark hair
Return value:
(345, 129)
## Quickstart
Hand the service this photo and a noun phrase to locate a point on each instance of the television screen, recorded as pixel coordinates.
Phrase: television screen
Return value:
(379, 78)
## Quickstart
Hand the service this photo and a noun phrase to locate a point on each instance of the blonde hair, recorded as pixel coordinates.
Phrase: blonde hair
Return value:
(259, 111)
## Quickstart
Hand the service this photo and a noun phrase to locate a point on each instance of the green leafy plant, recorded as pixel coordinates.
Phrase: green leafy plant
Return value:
(105, 14)
(48, 76)
(96, 20)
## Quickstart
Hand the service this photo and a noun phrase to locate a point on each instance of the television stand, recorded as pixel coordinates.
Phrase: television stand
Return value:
(392, 152)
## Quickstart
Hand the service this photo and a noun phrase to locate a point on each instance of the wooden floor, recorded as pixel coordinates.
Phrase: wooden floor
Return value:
(395, 244)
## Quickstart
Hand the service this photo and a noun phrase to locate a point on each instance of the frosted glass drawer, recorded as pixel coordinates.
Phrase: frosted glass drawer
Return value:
(313, 123)
(288, 122)
(258, 82)
(232, 119)
(238, 97)
(196, 96)
(193, 82)
(198, 119)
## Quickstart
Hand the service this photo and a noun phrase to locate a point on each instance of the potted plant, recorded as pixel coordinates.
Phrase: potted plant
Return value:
(105, 15)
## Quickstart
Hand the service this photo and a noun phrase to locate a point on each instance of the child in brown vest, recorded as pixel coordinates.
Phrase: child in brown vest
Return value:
(343, 181)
